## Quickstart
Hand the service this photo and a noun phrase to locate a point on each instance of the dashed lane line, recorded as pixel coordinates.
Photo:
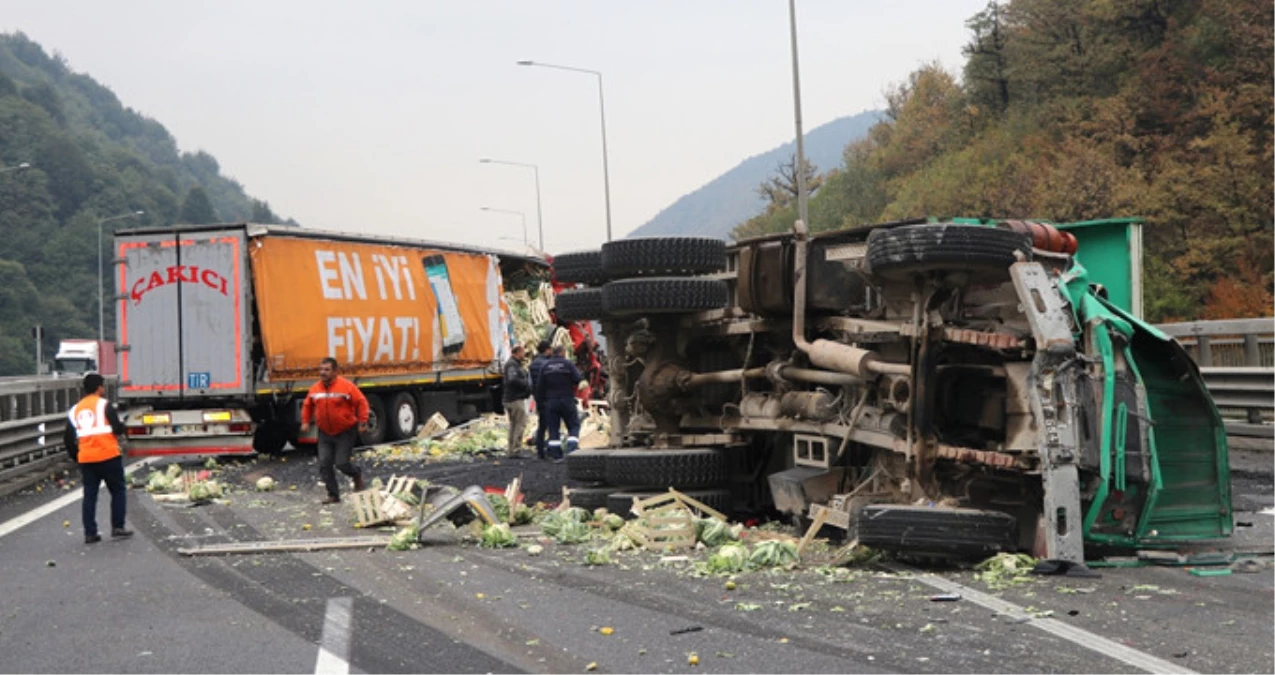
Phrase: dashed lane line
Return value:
(1066, 631)
(334, 646)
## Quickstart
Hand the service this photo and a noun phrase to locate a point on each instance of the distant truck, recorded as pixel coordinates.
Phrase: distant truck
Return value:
(222, 328)
(77, 357)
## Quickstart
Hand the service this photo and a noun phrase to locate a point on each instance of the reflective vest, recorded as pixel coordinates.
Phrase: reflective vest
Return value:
(93, 433)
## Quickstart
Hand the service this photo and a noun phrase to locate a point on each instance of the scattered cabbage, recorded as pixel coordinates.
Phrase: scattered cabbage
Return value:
(728, 559)
(552, 523)
(774, 553)
(600, 513)
(622, 542)
(577, 514)
(714, 532)
(613, 522)
(211, 463)
(523, 514)
(204, 490)
(535, 549)
(174, 470)
(497, 536)
(597, 557)
(1004, 569)
(501, 506)
(572, 532)
(403, 540)
(265, 484)
(159, 482)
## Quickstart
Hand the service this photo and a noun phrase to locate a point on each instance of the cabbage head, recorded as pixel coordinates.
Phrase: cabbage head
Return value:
(265, 484)
(497, 536)
(774, 553)
(572, 532)
(728, 559)
(714, 532)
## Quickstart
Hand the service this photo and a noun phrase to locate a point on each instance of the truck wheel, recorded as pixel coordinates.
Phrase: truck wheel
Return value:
(403, 417)
(581, 304)
(682, 467)
(375, 434)
(270, 438)
(655, 256)
(970, 533)
(621, 503)
(900, 252)
(588, 466)
(664, 295)
(579, 267)
(590, 498)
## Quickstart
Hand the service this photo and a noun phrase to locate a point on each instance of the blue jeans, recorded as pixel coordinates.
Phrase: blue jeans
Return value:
(557, 411)
(93, 474)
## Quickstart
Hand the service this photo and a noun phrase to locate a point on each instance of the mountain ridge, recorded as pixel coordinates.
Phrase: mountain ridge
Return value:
(715, 208)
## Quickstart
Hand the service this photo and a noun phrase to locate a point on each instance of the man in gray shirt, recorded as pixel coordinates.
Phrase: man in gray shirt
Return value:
(517, 389)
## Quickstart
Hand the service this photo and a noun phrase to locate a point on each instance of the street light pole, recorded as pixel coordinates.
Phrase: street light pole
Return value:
(540, 226)
(520, 214)
(19, 167)
(602, 108)
(101, 297)
(796, 101)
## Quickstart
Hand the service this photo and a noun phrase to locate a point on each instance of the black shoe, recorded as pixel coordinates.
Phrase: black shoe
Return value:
(92, 538)
(331, 500)
(121, 533)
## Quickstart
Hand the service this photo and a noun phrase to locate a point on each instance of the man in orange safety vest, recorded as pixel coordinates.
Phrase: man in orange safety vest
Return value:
(90, 439)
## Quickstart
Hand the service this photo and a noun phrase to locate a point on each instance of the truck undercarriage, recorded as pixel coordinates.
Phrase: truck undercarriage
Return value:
(937, 388)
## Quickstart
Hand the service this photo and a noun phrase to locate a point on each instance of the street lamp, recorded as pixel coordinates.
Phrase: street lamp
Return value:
(20, 167)
(101, 298)
(796, 102)
(606, 175)
(540, 226)
(520, 214)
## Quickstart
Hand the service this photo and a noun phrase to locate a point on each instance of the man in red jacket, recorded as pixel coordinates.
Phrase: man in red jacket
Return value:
(339, 409)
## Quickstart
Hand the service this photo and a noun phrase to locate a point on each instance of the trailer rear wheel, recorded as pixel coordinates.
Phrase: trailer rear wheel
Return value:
(270, 437)
(403, 416)
(681, 467)
(588, 465)
(621, 502)
(664, 295)
(590, 498)
(579, 304)
(658, 256)
(900, 252)
(375, 434)
(579, 267)
(971, 533)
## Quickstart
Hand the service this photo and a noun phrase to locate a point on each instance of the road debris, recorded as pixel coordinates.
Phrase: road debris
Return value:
(1005, 569)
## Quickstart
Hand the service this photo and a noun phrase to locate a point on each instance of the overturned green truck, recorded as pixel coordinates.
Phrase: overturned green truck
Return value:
(940, 388)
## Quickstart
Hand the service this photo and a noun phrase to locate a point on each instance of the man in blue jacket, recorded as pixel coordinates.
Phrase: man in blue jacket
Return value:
(542, 427)
(556, 387)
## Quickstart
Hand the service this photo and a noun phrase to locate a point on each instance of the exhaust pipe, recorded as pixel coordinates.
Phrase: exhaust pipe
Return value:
(827, 354)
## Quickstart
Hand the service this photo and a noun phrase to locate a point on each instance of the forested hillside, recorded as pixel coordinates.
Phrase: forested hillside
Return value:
(1080, 109)
(90, 159)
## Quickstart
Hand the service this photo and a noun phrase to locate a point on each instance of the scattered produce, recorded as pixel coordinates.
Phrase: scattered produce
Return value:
(728, 559)
(265, 484)
(1005, 569)
(498, 536)
(404, 539)
(774, 553)
(597, 557)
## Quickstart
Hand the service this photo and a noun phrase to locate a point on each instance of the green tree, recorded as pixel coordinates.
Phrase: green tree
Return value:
(196, 209)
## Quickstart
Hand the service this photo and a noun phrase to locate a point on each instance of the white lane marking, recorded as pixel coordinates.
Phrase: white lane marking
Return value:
(1066, 631)
(334, 646)
(1268, 512)
(8, 526)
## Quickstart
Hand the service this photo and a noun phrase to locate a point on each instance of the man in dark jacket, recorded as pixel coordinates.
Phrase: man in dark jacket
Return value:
(537, 364)
(556, 386)
(517, 389)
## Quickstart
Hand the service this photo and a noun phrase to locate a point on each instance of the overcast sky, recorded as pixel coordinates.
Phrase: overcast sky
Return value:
(371, 116)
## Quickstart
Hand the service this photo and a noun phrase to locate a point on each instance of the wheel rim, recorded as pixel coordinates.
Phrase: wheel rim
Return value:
(406, 419)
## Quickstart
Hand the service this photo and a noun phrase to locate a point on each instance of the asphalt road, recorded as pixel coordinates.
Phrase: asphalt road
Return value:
(138, 606)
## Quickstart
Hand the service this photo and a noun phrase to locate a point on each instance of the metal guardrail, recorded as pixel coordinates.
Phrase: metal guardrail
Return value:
(32, 419)
(1237, 360)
